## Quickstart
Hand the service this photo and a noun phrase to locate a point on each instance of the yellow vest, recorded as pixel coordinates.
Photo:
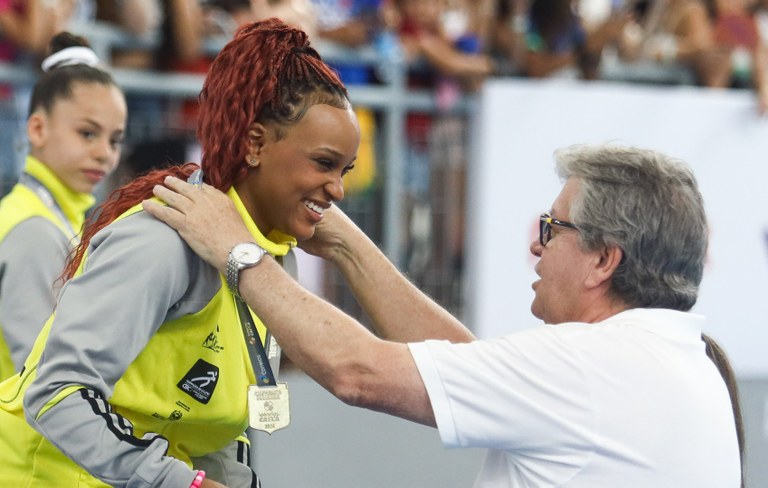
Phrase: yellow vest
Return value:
(24, 203)
(156, 392)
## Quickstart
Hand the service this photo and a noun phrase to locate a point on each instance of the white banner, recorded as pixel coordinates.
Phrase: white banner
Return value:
(512, 180)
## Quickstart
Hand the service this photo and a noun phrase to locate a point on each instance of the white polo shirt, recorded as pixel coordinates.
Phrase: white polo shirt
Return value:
(632, 401)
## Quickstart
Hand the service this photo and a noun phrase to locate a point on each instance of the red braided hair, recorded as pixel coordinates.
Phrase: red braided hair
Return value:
(267, 73)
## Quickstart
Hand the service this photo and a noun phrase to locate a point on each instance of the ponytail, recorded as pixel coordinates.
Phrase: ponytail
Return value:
(718, 356)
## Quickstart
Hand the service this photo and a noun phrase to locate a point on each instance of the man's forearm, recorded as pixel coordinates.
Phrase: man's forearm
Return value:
(399, 311)
(334, 349)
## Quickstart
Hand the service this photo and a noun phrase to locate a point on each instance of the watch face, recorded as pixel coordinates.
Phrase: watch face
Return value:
(247, 253)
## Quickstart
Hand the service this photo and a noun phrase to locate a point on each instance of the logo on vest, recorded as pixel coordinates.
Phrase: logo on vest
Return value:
(200, 381)
(212, 341)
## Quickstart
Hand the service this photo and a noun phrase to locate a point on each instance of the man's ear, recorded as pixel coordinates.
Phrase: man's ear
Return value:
(608, 259)
(37, 129)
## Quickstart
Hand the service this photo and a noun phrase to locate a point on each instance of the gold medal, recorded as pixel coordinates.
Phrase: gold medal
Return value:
(268, 407)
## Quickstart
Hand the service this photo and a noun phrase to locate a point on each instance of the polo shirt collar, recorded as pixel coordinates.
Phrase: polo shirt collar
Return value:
(276, 243)
(671, 324)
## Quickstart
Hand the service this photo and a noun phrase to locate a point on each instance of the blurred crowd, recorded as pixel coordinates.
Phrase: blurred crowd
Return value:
(450, 47)
(722, 42)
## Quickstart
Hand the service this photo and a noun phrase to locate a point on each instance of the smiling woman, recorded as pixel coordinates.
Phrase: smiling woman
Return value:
(297, 176)
(75, 128)
(152, 383)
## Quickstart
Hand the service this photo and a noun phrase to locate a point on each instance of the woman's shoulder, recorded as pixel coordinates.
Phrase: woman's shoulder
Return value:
(140, 234)
(141, 249)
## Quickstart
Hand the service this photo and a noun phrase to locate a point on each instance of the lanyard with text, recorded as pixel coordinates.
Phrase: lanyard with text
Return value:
(45, 196)
(268, 402)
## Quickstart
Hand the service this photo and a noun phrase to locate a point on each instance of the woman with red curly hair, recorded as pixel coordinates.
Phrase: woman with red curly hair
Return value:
(142, 374)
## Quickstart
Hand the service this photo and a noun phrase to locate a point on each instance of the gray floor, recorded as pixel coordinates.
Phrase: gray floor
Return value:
(331, 445)
(754, 405)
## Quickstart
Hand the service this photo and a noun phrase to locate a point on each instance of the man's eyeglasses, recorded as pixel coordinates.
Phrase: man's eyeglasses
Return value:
(545, 227)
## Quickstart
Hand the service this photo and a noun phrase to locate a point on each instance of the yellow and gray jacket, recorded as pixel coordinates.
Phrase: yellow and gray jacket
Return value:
(141, 374)
(39, 219)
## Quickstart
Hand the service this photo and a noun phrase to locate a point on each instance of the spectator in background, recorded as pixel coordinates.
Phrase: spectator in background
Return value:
(555, 41)
(161, 128)
(443, 43)
(296, 13)
(26, 27)
(607, 23)
(452, 51)
(75, 127)
(138, 18)
(761, 18)
(678, 32)
(351, 23)
(558, 43)
(507, 37)
(737, 35)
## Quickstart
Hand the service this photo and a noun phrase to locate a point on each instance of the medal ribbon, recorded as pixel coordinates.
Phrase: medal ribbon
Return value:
(259, 361)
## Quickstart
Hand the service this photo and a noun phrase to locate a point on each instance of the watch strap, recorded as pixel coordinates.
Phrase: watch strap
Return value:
(233, 276)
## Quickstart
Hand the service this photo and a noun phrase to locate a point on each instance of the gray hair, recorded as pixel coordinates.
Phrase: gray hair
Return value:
(649, 205)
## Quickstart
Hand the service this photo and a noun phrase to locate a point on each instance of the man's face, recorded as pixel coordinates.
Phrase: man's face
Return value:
(560, 292)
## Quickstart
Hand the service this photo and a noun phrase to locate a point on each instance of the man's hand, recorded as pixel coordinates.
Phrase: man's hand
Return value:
(204, 217)
(331, 235)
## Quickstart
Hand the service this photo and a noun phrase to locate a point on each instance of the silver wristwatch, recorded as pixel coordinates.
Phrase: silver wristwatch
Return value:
(242, 256)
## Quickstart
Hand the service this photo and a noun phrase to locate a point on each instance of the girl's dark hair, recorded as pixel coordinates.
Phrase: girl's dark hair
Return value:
(267, 73)
(718, 356)
(57, 82)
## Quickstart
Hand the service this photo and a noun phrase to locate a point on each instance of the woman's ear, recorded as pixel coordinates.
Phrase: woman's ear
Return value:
(257, 135)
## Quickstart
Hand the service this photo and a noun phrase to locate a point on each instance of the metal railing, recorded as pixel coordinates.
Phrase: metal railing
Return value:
(391, 97)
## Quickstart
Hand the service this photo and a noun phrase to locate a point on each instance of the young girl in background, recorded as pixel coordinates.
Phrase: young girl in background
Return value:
(75, 128)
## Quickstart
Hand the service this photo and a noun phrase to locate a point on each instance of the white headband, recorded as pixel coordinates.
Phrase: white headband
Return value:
(70, 56)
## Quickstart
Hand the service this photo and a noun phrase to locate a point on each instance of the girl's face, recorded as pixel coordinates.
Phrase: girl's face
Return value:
(81, 137)
(298, 176)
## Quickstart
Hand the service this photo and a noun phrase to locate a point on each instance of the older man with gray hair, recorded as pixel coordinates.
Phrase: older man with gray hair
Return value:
(619, 388)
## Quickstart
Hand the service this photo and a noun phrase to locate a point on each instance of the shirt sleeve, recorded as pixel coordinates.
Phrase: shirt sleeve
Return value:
(32, 257)
(136, 271)
(519, 392)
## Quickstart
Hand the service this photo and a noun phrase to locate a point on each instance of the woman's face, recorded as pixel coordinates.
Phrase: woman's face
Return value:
(298, 176)
(81, 137)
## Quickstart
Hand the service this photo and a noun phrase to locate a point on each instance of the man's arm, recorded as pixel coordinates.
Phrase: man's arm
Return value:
(334, 349)
(399, 310)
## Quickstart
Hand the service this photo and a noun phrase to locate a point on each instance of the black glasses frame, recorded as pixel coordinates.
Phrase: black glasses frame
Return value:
(546, 222)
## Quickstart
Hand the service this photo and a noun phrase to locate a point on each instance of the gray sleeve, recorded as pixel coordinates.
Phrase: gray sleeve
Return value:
(139, 274)
(230, 466)
(32, 257)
